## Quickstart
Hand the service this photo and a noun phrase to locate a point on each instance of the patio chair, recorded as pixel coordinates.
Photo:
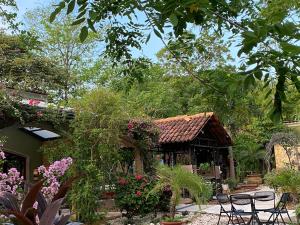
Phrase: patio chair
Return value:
(279, 210)
(222, 200)
(263, 196)
(238, 204)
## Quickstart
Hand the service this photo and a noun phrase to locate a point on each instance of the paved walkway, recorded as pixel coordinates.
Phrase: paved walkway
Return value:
(215, 209)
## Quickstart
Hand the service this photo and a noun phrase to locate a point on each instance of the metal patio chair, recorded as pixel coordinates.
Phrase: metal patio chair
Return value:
(263, 196)
(241, 214)
(279, 210)
(222, 200)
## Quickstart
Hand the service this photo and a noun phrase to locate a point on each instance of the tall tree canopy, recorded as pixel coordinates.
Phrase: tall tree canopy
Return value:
(60, 41)
(269, 50)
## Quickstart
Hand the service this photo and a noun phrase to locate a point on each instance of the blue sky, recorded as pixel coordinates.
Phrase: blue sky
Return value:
(149, 50)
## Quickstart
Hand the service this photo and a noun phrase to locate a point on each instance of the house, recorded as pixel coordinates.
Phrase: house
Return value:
(194, 140)
(23, 141)
(190, 141)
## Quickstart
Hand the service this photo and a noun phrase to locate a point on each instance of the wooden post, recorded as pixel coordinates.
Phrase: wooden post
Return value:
(138, 162)
(231, 163)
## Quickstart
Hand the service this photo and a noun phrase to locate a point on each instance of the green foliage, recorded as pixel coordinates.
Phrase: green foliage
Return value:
(248, 154)
(270, 51)
(133, 195)
(86, 192)
(297, 211)
(232, 183)
(59, 40)
(8, 13)
(284, 180)
(94, 142)
(176, 179)
(204, 167)
(20, 69)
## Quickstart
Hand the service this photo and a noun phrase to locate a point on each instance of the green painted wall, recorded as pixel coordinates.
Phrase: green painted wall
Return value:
(19, 142)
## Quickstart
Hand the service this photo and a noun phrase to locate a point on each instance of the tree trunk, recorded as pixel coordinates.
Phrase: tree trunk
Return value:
(231, 163)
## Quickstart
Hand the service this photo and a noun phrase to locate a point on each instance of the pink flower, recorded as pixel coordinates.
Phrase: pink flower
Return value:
(2, 155)
(138, 177)
(138, 193)
(52, 175)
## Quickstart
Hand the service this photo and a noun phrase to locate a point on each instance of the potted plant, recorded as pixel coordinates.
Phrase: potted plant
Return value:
(176, 179)
(204, 168)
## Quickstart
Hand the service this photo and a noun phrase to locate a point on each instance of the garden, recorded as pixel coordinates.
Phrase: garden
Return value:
(149, 112)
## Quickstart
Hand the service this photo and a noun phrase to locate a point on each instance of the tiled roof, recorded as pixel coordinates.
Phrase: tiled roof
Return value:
(181, 128)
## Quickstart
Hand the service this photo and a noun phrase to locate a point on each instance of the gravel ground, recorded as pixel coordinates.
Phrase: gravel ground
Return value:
(191, 219)
(206, 219)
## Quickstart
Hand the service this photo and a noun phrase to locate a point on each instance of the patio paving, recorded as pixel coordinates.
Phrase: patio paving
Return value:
(215, 209)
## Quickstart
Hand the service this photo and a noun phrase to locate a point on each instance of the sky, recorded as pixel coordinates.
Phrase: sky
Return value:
(148, 50)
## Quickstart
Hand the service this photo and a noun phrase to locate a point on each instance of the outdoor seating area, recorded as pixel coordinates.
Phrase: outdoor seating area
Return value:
(246, 209)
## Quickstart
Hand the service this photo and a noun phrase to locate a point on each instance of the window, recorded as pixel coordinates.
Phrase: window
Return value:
(15, 161)
(41, 133)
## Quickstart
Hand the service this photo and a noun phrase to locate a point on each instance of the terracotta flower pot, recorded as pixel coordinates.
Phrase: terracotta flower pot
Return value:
(172, 223)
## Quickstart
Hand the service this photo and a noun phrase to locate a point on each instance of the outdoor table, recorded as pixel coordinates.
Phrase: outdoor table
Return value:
(255, 213)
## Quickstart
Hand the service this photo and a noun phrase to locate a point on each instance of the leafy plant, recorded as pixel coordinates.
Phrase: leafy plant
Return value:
(297, 212)
(232, 183)
(205, 167)
(26, 212)
(248, 154)
(133, 195)
(285, 180)
(176, 179)
(87, 190)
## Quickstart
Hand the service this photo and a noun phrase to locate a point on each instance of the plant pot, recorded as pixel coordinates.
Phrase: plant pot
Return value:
(254, 179)
(171, 223)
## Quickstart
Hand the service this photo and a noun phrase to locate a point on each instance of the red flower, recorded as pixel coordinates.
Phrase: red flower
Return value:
(138, 177)
(130, 126)
(123, 181)
(138, 194)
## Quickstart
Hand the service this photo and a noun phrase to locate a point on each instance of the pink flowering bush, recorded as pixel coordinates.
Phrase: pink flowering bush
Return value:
(52, 175)
(11, 181)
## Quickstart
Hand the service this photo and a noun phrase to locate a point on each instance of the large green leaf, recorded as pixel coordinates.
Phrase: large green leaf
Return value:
(83, 33)
(174, 19)
(290, 48)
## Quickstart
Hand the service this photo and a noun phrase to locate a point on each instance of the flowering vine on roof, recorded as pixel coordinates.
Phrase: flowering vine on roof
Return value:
(143, 131)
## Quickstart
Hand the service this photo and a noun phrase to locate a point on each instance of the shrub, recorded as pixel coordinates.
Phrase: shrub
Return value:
(285, 180)
(132, 195)
(232, 183)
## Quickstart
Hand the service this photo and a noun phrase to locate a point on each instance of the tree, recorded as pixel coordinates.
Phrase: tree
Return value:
(8, 13)
(269, 51)
(20, 69)
(60, 41)
(94, 141)
(200, 52)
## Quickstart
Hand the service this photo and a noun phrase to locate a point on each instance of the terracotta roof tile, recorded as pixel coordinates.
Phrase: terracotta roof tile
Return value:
(181, 128)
